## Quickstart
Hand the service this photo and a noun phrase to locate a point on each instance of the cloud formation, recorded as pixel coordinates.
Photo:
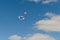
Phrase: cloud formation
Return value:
(43, 1)
(36, 1)
(52, 24)
(48, 1)
(15, 37)
(36, 36)
(39, 36)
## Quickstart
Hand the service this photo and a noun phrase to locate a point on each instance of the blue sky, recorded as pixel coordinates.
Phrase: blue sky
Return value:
(11, 25)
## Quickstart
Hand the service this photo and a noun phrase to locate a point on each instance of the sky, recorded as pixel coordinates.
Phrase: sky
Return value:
(42, 21)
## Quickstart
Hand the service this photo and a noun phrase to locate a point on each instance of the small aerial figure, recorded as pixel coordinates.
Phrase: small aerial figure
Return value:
(22, 17)
(25, 13)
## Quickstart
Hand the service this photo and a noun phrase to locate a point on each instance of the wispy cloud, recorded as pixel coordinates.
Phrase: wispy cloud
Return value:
(48, 1)
(36, 1)
(15, 37)
(52, 24)
(36, 36)
(39, 36)
(43, 1)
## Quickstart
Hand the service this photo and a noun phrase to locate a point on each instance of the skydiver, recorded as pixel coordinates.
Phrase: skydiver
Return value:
(21, 17)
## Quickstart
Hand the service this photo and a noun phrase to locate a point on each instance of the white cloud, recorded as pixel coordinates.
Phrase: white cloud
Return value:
(52, 24)
(36, 36)
(39, 36)
(36, 1)
(43, 1)
(48, 1)
(15, 37)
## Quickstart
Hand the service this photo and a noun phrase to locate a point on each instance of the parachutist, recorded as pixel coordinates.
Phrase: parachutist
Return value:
(21, 17)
